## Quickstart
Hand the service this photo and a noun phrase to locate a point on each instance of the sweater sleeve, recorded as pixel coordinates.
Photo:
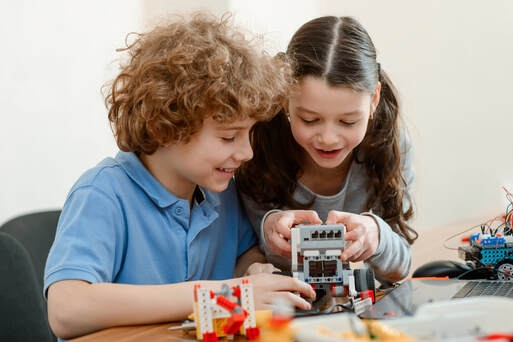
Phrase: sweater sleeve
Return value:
(392, 260)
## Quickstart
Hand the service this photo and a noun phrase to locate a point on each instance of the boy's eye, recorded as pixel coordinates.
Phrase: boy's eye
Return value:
(308, 121)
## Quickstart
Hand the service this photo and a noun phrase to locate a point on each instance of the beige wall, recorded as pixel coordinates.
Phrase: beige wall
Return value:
(451, 61)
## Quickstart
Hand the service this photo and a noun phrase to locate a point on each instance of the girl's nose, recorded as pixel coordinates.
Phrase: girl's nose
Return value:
(327, 136)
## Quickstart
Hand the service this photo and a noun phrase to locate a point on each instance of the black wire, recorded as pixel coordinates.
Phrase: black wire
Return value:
(482, 272)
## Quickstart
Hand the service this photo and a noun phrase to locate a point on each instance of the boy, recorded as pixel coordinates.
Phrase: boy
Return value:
(139, 230)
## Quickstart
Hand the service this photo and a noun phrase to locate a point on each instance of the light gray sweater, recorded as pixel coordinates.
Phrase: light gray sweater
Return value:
(392, 260)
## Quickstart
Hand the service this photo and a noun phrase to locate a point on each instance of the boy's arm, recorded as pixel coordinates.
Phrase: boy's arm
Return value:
(76, 307)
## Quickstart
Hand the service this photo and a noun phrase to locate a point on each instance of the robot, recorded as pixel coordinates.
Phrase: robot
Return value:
(493, 251)
(316, 251)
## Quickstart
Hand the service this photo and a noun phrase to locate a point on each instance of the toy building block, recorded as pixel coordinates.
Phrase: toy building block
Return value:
(320, 247)
(225, 313)
(249, 327)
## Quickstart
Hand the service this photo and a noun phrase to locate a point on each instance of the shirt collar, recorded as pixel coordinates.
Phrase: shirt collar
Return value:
(135, 169)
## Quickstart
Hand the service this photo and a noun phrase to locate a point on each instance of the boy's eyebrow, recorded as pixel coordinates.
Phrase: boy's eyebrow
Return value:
(232, 128)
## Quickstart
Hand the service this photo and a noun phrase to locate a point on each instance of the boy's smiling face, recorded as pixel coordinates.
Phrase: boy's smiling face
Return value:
(209, 159)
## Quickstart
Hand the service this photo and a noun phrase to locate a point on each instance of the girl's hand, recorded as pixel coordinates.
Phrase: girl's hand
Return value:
(271, 288)
(258, 267)
(277, 227)
(361, 231)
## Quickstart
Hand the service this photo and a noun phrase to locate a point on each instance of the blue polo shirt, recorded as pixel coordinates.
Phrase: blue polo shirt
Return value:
(120, 225)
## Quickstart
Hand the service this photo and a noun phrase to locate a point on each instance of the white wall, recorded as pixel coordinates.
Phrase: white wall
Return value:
(450, 61)
(55, 56)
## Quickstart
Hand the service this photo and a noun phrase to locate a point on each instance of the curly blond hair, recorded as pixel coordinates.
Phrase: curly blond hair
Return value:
(178, 75)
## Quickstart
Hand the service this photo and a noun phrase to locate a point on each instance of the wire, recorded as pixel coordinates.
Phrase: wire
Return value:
(496, 336)
(477, 273)
(507, 229)
(502, 224)
(457, 234)
(508, 217)
(509, 196)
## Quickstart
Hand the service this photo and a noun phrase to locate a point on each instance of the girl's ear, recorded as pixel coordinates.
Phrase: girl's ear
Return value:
(375, 98)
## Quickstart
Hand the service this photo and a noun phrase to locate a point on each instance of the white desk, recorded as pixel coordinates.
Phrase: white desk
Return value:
(429, 246)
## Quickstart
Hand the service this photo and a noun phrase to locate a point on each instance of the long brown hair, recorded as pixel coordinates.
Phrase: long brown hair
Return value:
(339, 51)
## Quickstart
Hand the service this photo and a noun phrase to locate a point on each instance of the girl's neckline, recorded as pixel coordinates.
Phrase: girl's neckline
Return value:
(320, 186)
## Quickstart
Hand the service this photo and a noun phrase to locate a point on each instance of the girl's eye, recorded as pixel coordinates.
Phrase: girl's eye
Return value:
(228, 139)
(346, 123)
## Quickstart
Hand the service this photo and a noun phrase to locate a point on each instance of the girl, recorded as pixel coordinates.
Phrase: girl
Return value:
(335, 153)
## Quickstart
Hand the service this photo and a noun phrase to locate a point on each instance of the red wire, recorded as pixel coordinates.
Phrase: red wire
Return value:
(496, 336)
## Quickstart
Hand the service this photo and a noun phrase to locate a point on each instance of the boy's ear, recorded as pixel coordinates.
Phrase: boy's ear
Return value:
(160, 136)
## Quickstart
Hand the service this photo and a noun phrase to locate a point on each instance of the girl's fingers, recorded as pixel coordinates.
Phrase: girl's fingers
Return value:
(306, 216)
(354, 251)
(280, 246)
(335, 217)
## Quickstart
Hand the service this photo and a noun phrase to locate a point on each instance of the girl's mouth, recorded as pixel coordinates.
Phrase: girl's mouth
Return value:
(328, 153)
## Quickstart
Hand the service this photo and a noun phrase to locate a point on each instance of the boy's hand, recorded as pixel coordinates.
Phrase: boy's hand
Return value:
(277, 227)
(362, 233)
(270, 288)
(258, 267)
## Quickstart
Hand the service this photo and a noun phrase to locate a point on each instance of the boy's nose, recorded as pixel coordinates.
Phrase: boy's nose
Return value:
(245, 152)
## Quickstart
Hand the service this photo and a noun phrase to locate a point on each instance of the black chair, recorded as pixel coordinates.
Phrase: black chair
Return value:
(22, 310)
(26, 241)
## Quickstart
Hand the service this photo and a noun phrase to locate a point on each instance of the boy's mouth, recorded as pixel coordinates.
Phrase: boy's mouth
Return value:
(227, 170)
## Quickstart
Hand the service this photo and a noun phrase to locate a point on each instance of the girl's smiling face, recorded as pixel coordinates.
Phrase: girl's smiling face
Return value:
(329, 122)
